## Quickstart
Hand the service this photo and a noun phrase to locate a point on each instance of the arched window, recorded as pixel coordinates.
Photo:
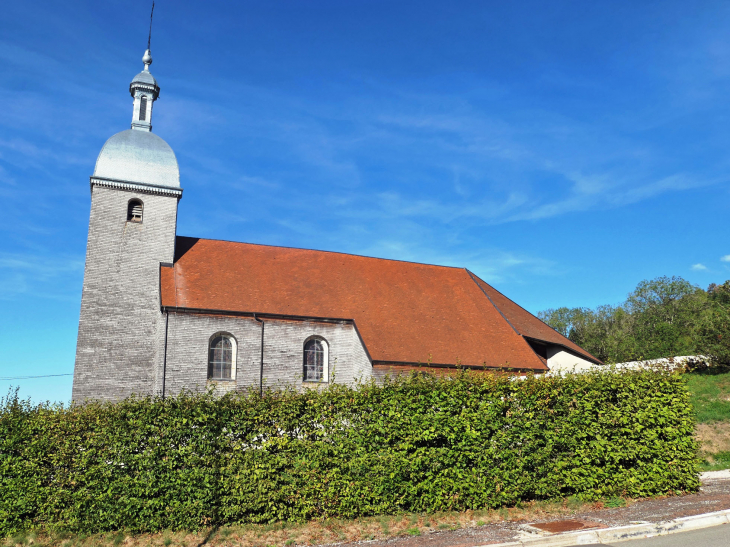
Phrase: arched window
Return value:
(143, 108)
(315, 360)
(222, 357)
(134, 210)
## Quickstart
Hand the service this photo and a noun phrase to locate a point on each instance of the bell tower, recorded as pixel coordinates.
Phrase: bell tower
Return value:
(135, 189)
(144, 90)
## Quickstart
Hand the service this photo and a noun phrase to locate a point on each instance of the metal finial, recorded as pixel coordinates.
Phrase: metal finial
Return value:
(147, 59)
(149, 36)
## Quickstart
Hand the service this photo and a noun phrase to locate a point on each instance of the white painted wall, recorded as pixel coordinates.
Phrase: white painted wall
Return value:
(560, 360)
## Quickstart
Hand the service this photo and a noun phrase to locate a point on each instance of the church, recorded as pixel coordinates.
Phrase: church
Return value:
(163, 313)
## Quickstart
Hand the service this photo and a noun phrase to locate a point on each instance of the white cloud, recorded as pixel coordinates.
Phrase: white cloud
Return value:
(699, 267)
(25, 273)
(725, 258)
(498, 157)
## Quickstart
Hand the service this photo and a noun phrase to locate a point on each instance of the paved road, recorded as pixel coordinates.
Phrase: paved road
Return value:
(716, 536)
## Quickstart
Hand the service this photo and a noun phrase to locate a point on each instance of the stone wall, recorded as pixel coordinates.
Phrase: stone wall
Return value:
(189, 335)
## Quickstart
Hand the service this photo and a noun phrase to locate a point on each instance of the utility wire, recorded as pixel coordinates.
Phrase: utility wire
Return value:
(28, 377)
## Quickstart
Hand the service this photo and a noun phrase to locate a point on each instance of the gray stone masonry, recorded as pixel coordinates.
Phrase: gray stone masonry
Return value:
(118, 349)
(189, 335)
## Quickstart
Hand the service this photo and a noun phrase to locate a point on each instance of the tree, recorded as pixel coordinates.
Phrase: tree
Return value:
(605, 332)
(560, 319)
(665, 312)
(662, 317)
(713, 329)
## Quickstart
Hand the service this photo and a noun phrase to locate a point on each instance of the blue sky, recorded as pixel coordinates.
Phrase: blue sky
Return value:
(563, 151)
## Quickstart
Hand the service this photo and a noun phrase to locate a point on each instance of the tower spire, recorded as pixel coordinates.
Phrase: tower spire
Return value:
(147, 58)
(149, 36)
(144, 89)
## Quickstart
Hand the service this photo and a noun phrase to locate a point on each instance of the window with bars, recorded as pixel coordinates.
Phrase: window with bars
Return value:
(314, 361)
(220, 357)
(134, 210)
(142, 109)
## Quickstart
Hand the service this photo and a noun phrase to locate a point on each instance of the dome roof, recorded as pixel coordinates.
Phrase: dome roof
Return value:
(144, 77)
(138, 156)
(145, 81)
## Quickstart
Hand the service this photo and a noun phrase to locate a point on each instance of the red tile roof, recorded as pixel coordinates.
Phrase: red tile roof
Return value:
(528, 325)
(405, 312)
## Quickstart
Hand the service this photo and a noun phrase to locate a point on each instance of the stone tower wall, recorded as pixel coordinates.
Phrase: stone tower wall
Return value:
(119, 341)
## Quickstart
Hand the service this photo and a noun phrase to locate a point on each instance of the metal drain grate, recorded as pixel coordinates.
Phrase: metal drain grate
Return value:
(558, 526)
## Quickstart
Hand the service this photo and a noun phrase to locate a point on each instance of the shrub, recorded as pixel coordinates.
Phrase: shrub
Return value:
(416, 444)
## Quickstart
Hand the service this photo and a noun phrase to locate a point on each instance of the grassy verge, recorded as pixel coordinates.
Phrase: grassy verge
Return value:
(716, 461)
(710, 392)
(316, 532)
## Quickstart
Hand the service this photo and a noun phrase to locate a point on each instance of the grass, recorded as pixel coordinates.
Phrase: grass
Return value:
(715, 462)
(710, 394)
(615, 502)
(710, 390)
(314, 532)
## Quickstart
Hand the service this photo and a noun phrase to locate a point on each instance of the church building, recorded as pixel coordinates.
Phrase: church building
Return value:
(162, 313)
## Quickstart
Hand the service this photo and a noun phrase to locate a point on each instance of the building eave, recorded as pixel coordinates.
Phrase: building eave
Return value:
(131, 186)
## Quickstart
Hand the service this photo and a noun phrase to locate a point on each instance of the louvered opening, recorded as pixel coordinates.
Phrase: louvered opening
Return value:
(134, 211)
(143, 109)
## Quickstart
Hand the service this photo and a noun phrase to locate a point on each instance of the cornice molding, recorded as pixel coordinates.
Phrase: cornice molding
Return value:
(155, 90)
(136, 187)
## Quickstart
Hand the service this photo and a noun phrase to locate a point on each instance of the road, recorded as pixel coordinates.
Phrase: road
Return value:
(716, 536)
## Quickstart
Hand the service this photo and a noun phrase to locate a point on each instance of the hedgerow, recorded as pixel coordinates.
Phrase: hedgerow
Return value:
(416, 444)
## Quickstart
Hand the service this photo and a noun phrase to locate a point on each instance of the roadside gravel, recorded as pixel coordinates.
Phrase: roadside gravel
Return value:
(713, 496)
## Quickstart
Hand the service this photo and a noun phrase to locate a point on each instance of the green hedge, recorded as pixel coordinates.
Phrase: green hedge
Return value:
(416, 444)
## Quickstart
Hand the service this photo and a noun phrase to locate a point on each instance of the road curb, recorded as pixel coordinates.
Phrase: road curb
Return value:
(623, 533)
(715, 475)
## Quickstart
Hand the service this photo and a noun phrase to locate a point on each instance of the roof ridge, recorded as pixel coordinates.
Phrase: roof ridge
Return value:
(472, 276)
(325, 251)
(536, 317)
(523, 309)
(522, 336)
